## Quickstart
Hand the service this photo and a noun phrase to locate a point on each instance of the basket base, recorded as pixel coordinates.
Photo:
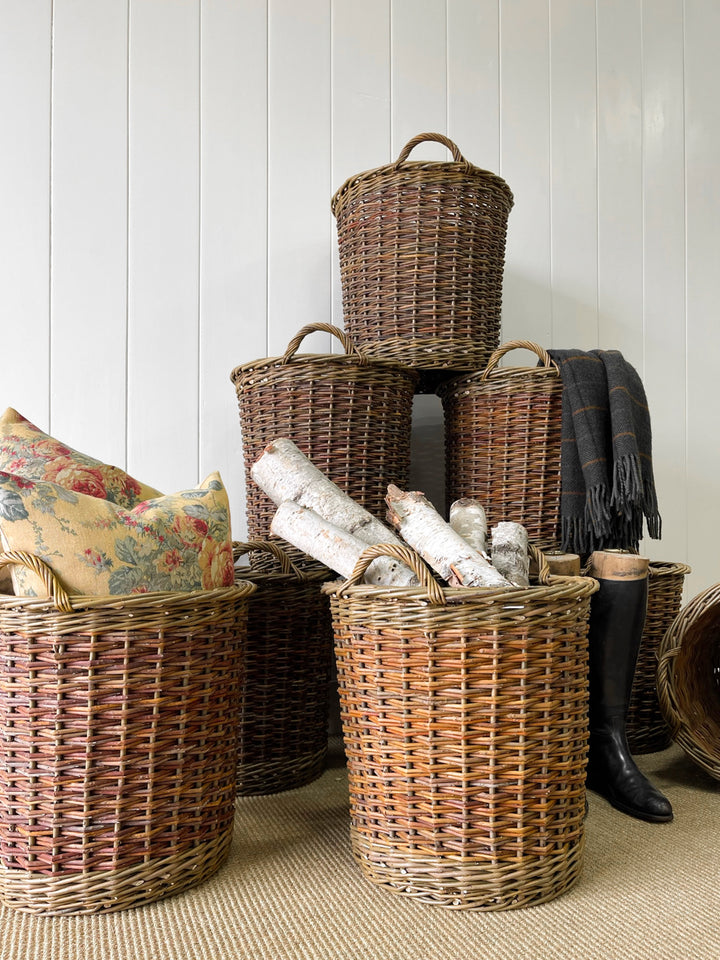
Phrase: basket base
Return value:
(107, 891)
(468, 883)
(258, 779)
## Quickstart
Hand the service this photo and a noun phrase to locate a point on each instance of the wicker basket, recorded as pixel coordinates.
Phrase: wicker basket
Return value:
(688, 679)
(646, 728)
(118, 736)
(352, 417)
(284, 700)
(465, 724)
(503, 442)
(422, 250)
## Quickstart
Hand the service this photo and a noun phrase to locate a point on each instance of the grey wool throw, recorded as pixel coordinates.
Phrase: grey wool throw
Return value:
(607, 484)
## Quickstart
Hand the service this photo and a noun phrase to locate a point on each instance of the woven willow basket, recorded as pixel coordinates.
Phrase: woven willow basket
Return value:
(283, 730)
(422, 252)
(646, 728)
(351, 416)
(465, 719)
(118, 737)
(688, 679)
(503, 442)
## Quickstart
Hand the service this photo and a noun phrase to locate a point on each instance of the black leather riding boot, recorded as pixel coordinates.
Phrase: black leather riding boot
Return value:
(617, 618)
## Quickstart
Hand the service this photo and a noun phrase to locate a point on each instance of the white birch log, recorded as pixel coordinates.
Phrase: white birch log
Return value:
(510, 552)
(283, 472)
(437, 543)
(333, 546)
(467, 518)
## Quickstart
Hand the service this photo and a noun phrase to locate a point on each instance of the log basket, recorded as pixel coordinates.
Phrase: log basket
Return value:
(465, 721)
(118, 734)
(283, 724)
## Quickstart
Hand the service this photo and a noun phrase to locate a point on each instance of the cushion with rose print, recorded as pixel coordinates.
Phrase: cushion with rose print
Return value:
(177, 542)
(26, 451)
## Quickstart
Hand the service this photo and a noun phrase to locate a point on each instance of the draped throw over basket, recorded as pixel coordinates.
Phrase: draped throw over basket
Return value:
(688, 679)
(118, 737)
(283, 726)
(422, 252)
(646, 728)
(465, 722)
(503, 441)
(350, 415)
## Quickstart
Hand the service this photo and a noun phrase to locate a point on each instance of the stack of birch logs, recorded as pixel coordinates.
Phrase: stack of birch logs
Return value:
(320, 519)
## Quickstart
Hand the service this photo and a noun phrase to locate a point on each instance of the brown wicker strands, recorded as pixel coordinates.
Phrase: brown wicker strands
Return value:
(502, 439)
(688, 679)
(350, 416)
(283, 728)
(645, 725)
(118, 737)
(464, 716)
(422, 250)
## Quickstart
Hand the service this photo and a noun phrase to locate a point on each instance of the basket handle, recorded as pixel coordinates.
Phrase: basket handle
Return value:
(434, 592)
(240, 548)
(433, 138)
(57, 593)
(349, 347)
(540, 352)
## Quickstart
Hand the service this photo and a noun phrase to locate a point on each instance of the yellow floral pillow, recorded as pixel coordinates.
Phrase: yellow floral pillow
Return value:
(177, 542)
(28, 452)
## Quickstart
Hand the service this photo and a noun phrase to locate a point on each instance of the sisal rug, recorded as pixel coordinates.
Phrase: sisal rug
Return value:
(291, 891)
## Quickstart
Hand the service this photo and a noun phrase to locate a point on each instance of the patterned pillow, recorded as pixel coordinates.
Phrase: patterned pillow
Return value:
(177, 542)
(26, 451)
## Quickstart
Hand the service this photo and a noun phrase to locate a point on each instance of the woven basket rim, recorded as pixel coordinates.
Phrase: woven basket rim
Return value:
(501, 375)
(270, 365)
(662, 568)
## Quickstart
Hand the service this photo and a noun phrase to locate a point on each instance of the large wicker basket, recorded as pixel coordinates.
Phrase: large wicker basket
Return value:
(422, 252)
(503, 442)
(688, 679)
(283, 734)
(351, 416)
(465, 719)
(118, 737)
(646, 728)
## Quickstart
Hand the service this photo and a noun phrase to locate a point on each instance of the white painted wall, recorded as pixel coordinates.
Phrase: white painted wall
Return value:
(166, 168)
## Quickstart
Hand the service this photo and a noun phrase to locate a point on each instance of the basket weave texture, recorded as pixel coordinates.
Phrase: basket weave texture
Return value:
(646, 728)
(688, 679)
(422, 251)
(118, 735)
(503, 442)
(351, 416)
(283, 727)
(465, 722)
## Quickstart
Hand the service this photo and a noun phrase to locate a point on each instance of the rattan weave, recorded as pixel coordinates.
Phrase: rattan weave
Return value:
(118, 736)
(502, 440)
(350, 415)
(283, 729)
(688, 679)
(422, 251)
(465, 723)
(645, 725)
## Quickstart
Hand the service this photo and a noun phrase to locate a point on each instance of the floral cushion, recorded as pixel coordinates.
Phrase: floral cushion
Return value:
(26, 451)
(177, 542)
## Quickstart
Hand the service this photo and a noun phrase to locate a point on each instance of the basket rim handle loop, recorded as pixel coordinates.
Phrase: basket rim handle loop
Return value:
(348, 346)
(56, 592)
(435, 594)
(433, 138)
(540, 352)
(287, 567)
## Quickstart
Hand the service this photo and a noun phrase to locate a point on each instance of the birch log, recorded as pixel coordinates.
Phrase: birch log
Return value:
(283, 472)
(510, 552)
(437, 543)
(333, 546)
(467, 518)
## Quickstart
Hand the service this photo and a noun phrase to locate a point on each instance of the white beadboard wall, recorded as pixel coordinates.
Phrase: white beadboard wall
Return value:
(166, 169)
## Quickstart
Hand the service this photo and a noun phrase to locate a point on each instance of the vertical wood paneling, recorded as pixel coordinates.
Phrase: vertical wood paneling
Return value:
(89, 226)
(300, 225)
(25, 66)
(233, 227)
(163, 243)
